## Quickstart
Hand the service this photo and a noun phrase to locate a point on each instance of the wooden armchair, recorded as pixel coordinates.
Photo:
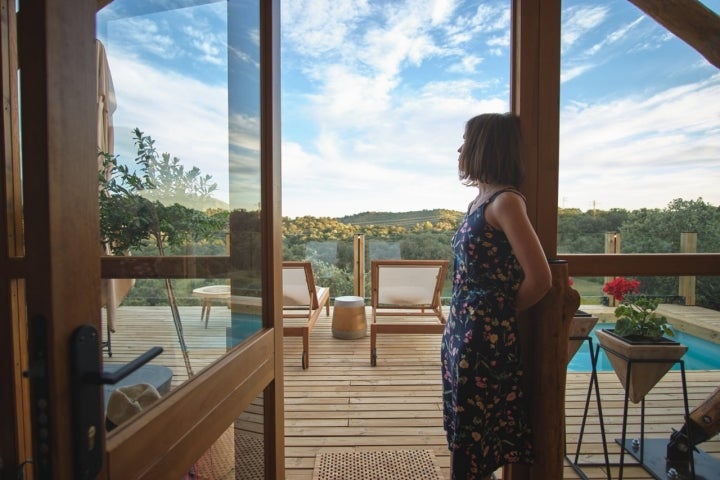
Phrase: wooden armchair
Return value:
(406, 288)
(302, 303)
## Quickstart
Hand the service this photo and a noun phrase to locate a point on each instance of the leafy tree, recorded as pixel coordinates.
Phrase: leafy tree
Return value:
(583, 232)
(426, 246)
(658, 231)
(143, 207)
(339, 280)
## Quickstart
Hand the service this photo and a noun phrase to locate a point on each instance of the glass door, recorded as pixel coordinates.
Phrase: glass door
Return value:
(147, 278)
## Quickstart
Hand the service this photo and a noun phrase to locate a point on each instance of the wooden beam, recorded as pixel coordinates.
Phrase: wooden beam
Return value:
(57, 57)
(658, 264)
(535, 97)
(690, 21)
(544, 332)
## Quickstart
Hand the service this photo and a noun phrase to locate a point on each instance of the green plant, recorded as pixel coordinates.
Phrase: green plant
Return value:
(636, 317)
(639, 319)
(157, 203)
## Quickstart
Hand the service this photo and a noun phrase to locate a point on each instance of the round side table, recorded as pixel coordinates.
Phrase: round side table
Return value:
(208, 294)
(348, 321)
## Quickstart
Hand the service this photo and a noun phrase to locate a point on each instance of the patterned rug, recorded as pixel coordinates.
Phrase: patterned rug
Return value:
(377, 465)
(236, 455)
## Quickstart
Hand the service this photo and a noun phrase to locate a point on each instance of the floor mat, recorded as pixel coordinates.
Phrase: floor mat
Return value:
(376, 465)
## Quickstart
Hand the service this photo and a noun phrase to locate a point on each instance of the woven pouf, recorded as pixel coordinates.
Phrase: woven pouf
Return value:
(349, 320)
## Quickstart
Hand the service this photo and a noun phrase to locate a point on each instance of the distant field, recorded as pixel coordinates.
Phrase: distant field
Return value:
(589, 288)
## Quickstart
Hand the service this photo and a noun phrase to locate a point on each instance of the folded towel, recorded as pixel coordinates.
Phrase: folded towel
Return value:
(128, 401)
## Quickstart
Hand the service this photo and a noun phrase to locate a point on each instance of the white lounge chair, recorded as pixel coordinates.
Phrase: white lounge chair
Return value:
(302, 303)
(406, 288)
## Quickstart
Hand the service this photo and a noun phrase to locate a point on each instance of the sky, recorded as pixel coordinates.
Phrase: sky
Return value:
(375, 95)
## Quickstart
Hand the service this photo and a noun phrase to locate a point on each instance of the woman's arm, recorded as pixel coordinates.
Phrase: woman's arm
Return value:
(508, 213)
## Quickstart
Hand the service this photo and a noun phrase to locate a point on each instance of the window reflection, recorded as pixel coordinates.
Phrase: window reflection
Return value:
(181, 176)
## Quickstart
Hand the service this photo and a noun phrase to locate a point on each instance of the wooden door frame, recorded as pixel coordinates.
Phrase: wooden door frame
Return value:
(15, 448)
(58, 71)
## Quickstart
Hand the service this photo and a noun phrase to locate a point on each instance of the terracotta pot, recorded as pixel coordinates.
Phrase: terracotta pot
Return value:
(644, 375)
(580, 327)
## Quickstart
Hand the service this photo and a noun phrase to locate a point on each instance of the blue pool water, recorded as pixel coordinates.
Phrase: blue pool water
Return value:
(701, 354)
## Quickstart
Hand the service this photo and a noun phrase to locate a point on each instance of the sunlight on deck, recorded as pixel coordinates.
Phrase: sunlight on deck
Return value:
(343, 402)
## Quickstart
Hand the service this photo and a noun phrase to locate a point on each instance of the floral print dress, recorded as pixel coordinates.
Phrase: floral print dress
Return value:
(484, 413)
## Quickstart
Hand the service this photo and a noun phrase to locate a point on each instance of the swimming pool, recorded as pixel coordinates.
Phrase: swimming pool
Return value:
(701, 354)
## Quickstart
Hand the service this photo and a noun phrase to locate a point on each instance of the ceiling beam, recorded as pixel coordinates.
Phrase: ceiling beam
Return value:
(690, 21)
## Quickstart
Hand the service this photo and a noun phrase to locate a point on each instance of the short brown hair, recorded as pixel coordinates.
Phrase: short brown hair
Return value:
(491, 152)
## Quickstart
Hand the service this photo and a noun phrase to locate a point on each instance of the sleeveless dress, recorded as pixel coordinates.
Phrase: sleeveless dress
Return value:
(484, 411)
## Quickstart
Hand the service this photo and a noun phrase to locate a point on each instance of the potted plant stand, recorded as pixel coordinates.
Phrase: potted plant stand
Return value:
(580, 328)
(639, 366)
(652, 360)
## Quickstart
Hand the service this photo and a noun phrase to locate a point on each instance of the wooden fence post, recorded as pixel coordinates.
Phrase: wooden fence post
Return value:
(612, 246)
(686, 287)
(545, 330)
(359, 270)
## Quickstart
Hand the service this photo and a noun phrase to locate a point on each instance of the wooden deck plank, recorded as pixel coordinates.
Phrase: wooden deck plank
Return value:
(698, 321)
(342, 402)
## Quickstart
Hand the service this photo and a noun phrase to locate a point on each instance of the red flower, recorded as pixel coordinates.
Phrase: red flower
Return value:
(620, 286)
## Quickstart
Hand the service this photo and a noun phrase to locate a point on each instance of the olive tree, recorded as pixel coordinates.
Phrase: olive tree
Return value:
(156, 204)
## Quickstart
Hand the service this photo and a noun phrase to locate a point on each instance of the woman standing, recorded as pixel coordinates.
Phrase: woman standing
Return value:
(499, 269)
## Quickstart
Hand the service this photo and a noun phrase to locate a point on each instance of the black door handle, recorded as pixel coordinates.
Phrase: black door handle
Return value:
(111, 378)
(88, 407)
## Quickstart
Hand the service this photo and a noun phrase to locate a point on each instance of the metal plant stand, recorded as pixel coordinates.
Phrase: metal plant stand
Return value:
(651, 453)
(593, 385)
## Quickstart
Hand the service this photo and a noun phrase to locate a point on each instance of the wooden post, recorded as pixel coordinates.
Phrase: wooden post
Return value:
(359, 270)
(686, 287)
(545, 330)
(612, 246)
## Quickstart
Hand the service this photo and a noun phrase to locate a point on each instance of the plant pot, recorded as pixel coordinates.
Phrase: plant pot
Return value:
(644, 354)
(580, 327)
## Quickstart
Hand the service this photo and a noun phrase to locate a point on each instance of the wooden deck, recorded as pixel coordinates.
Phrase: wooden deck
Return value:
(342, 402)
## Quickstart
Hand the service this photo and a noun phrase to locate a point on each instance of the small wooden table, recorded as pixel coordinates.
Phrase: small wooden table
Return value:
(208, 294)
(348, 320)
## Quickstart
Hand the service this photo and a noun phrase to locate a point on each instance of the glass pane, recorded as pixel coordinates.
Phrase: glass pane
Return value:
(180, 175)
(638, 133)
(375, 99)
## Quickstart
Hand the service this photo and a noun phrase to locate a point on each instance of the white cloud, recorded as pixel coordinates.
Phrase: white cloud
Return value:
(568, 74)
(366, 135)
(640, 151)
(147, 36)
(194, 130)
(467, 64)
(314, 27)
(578, 22)
(613, 37)
(407, 160)
(442, 11)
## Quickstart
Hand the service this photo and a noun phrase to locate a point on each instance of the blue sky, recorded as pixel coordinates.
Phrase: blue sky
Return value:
(375, 95)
